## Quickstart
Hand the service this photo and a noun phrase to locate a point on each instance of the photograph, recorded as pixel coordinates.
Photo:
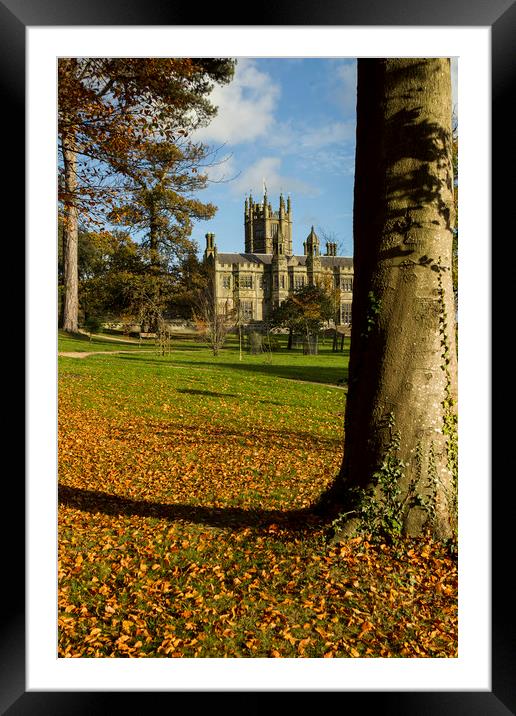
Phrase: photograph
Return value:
(265, 457)
(258, 430)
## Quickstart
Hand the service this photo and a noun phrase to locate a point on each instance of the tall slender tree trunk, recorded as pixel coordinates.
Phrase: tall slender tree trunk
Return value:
(70, 308)
(155, 264)
(401, 410)
(290, 339)
(153, 240)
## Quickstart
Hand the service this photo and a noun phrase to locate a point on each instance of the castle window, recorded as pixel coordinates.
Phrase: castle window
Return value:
(246, 308)
(347, 284)
(299, 282)
(226, 281)
(246, 281)
(346, 313)
(282, 281)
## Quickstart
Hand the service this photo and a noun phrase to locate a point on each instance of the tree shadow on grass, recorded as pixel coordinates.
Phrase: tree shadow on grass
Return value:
(94, 502)
(210, 393)
(334, 376)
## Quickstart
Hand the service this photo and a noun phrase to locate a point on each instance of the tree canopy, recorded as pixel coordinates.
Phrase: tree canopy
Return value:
(306, 310)
(117, 119)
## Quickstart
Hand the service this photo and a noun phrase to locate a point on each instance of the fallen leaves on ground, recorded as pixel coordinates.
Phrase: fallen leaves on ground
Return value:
(193, 538)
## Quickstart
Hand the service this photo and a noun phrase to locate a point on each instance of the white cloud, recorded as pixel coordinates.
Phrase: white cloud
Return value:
(269, 169)
(293, 139)
(331, 160)
(245, 106)
(328, 134)
(316, 149)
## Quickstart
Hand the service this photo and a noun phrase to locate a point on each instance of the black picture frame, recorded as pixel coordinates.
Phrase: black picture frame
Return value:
(15, 17)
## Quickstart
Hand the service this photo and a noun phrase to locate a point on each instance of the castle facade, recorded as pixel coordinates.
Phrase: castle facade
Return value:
(264, 275)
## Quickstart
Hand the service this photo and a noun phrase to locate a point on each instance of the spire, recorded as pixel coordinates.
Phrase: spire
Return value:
(312, 243)
(281, 206)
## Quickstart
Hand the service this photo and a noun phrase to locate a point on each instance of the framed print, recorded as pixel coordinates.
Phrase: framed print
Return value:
(34, 34)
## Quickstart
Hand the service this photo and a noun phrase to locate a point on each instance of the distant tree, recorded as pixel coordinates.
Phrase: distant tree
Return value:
(304, 311)
(160, 199)
(399, 471)
(191, 279)
(213, 322)
(285, 315)
(106, 108)
(111, 281)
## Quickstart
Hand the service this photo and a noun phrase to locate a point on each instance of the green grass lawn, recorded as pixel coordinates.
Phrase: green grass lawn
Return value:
(184, 514)
(81, 342)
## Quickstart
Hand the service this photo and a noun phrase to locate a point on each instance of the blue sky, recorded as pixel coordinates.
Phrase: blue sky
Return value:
(290, 122)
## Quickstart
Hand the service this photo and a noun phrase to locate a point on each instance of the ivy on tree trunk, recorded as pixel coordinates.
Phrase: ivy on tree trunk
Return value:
(401, 423)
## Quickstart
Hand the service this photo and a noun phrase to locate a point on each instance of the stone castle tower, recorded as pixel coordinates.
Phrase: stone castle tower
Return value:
(266, 273)
(264, 228)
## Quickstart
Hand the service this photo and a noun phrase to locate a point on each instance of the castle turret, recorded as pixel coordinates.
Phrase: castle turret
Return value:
(282, 227)
(248, 225)
(279, 270)
(288, 230)
(210, 250)
(313, 259)
(312, 243)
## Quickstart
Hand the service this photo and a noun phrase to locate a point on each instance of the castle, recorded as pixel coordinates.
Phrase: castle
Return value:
(268, 271)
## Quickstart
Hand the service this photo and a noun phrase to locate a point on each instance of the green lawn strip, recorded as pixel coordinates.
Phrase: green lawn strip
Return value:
(161, 385)
(81, 342)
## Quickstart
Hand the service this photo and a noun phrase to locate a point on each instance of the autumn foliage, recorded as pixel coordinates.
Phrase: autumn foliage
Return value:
(116, 116)
(185, 527)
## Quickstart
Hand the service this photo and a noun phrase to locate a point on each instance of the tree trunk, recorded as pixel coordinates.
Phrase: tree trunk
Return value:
(153, 239)
(70, 308)
(400, 423)
(290, 338)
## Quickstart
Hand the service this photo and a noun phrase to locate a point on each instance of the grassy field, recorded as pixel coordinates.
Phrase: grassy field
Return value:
(185, 486)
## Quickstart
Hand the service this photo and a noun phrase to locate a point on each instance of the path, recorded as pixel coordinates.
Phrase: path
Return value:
(85, 354)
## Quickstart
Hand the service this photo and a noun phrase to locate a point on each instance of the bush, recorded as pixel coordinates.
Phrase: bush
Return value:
(93, 324)
(272, 343)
